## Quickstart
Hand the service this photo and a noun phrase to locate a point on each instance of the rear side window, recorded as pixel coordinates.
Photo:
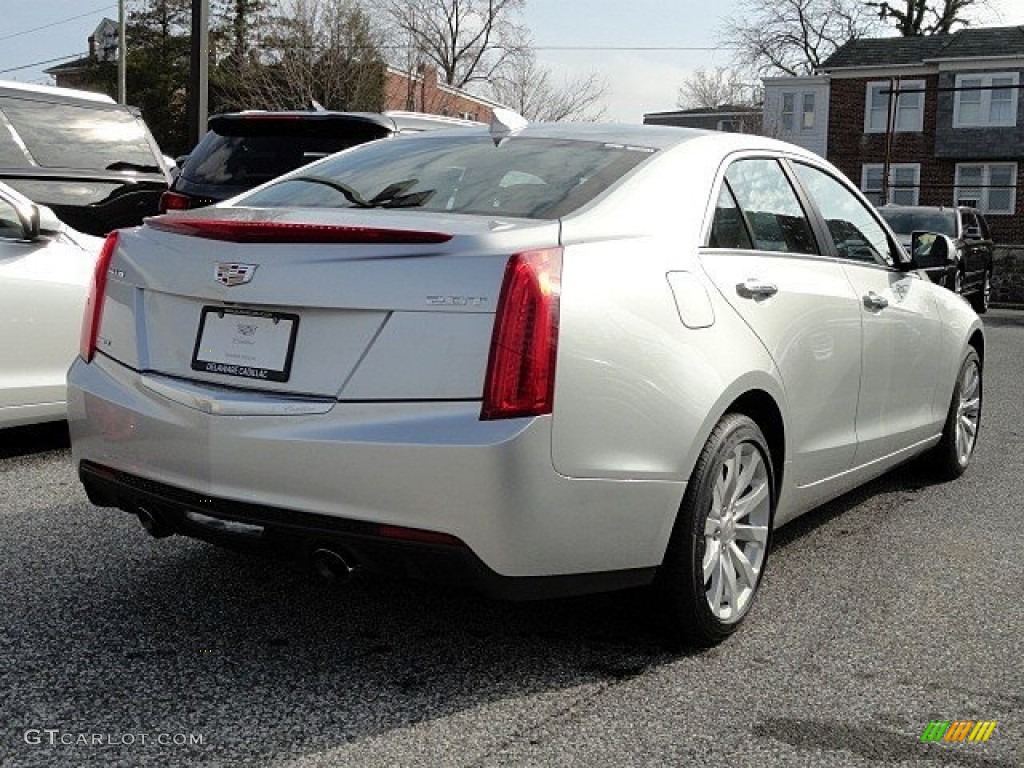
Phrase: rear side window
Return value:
(517, 177)
(728, 229)
(907, 222)
(247, 152)
(972, 228)
(69, 136)
(777, 221)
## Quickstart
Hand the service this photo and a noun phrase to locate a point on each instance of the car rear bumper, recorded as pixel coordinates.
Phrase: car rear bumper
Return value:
(408, 553)
(341, 473)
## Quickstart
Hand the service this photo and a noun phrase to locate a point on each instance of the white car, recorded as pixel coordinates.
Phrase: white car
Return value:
(45, 271)
(541, 360)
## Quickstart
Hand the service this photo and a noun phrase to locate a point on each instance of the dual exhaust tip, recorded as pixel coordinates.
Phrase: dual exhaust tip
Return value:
(328, 564)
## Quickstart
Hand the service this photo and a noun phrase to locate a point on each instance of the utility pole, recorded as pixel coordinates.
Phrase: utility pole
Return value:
(199, 71)
(122, 90)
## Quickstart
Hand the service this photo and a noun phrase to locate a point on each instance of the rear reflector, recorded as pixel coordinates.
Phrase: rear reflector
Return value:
(174, 201)
(282, 232)
(416, 534)
(520, 377)
(93, 314)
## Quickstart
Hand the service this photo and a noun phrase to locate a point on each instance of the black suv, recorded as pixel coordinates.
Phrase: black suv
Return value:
(245, 149)
(92, 161)
(968, 271)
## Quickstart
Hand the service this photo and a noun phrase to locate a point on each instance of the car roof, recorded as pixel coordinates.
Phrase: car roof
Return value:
(55, 93)
(392, 120)
(924, 208)
(649, 137)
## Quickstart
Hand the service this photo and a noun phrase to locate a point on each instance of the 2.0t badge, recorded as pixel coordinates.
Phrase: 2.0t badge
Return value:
(231, 273)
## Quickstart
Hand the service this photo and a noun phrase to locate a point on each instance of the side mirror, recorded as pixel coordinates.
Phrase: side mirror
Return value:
(931, 249)
(972, 233)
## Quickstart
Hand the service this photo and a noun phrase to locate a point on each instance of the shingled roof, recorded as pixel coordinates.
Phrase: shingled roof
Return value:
(967, 43)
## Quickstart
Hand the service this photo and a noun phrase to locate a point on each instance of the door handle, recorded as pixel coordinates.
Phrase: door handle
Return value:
(756, 289)
(873, 301)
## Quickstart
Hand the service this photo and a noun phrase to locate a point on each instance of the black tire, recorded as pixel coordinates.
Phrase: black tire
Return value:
(685, 596)
(981, 299)
(949, 459)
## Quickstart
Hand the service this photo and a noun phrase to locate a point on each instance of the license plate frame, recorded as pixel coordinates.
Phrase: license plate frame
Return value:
(260, 349)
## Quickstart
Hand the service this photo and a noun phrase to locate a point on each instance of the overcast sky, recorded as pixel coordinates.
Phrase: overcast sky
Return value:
(639, 80)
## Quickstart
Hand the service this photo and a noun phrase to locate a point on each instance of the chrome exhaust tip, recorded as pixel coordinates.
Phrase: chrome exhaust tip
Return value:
(153, 524)
(333, 566)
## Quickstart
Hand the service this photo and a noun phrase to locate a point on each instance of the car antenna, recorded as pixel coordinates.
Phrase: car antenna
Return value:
(504, 123)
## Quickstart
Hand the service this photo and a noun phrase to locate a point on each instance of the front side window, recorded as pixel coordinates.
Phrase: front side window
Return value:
(906, 116)
(904, 183)
(986, 100)
(771, 207)
(856, 232)
(989, 187)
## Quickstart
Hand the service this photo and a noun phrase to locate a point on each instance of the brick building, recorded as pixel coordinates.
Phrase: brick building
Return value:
(417, 91)
(423, 91)
(942, 114)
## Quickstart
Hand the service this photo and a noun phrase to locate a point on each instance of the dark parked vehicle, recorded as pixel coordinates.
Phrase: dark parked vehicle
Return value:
(968, 269)
(245, 149)
(90, 160)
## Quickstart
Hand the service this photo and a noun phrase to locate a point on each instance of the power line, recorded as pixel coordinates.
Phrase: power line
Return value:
(631, 47)
(56, 23)
(48, 61)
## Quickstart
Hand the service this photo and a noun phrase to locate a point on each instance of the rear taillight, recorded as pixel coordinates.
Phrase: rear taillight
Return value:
(174, 201)
(94, 302)
(520, 377)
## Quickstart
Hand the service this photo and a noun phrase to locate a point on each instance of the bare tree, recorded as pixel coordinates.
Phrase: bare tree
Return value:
(322, 52)
(467, 41)
(793, 37)
(527, 87)
(717, 87)
(914, 18)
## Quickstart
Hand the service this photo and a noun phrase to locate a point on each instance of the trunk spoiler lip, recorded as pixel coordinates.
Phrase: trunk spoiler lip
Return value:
(239, 231)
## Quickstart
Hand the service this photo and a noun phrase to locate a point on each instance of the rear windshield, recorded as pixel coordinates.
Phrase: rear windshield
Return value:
(908, 222)
(518, 177)
(250, 151)
(69, 136)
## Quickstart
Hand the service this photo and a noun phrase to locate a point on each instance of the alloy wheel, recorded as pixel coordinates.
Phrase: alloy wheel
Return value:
(736, 532)
(968, 411)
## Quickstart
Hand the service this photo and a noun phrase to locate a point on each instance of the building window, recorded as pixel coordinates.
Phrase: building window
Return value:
(989, 187)
(807, 119)
(988, 100)
(788, 108)
(788, 114)
(904, 183)
(908, 115)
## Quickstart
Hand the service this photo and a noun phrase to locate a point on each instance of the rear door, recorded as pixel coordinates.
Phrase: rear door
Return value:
(765, 260)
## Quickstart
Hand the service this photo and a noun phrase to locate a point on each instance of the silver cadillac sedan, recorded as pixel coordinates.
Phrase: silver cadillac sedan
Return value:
(540, 360)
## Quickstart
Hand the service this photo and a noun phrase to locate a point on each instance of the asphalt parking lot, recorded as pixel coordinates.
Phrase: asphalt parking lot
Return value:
(889, 608)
